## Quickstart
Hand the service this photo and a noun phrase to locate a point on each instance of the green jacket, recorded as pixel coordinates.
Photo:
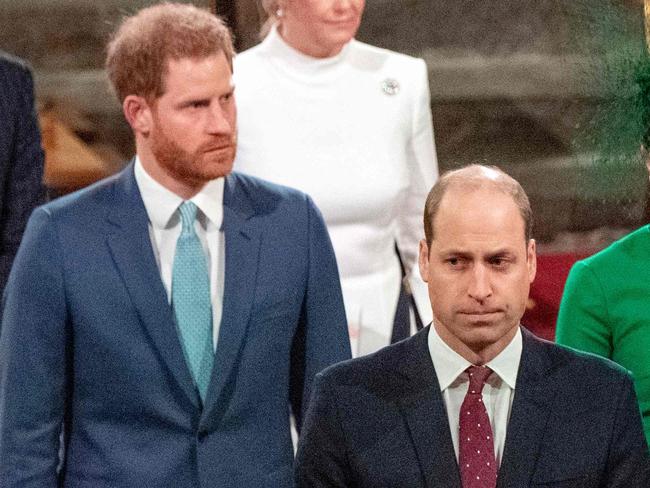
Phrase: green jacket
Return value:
(605, 309)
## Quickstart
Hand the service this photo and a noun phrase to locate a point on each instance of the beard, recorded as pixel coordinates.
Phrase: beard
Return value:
(209, 161)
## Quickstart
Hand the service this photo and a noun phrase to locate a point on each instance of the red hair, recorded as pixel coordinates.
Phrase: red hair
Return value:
(141, 47)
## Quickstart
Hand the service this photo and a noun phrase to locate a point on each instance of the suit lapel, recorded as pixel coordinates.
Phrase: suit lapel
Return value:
(423, 407)
(534, 395)
(243, 236)
(426, 416)
(130, 246)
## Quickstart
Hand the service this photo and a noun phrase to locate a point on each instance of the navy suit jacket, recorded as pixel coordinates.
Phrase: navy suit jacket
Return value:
(88, 340)
(21, 158)
(380, 421)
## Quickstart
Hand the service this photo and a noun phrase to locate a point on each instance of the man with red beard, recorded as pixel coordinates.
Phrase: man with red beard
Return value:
(169, 319)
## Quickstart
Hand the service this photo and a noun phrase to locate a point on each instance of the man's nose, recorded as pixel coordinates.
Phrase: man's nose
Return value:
(342, 4)
(218, 122)
(479, 287)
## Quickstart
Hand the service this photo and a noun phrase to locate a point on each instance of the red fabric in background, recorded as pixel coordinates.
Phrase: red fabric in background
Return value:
(546, 292)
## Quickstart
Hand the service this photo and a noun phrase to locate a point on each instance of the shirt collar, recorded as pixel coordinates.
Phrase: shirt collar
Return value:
(506, 363)
(449, 365)
(161, 203)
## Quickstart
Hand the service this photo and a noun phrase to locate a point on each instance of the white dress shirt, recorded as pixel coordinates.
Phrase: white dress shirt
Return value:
(498, 392)
(165, 226)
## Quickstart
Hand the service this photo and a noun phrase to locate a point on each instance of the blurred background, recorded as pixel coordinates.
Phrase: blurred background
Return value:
(505, 81)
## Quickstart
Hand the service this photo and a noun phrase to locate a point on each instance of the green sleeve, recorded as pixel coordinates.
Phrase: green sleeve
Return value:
(583, 321)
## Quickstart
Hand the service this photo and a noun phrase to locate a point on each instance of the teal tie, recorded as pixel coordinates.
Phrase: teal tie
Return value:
(191, 300)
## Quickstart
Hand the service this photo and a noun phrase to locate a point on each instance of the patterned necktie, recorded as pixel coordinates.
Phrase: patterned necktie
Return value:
(191, 300)
(476, 458)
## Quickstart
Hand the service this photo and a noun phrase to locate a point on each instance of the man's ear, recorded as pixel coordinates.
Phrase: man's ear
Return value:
(423, 260)
(531, 259)
(138, 114)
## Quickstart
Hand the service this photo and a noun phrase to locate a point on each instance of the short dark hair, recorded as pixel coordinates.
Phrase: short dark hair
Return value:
(477, 176)
(141, 46)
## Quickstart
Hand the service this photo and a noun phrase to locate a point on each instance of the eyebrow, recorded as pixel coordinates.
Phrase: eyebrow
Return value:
(201, 98)
(191, 101)
(498, 253)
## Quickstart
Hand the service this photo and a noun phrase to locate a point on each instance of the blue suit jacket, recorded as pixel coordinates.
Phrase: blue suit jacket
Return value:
(21, 158)
(380, 421)
(88, 339)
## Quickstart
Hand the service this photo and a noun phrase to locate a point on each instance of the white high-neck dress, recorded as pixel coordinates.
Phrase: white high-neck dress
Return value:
(354, 131)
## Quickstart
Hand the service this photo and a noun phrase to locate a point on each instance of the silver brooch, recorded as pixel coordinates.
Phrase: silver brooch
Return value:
(390, 86)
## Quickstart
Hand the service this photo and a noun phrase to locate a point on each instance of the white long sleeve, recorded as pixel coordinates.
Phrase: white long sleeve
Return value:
(334, 128)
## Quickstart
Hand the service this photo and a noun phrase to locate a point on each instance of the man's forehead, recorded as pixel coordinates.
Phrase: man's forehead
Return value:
(189, 62)
(483, 213)
(463, 202)
(189, 72)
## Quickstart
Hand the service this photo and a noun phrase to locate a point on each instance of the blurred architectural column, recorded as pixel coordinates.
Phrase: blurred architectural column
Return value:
(244, 18)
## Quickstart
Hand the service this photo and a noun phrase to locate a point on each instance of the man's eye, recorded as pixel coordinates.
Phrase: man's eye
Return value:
(499, 262)
(454, 261)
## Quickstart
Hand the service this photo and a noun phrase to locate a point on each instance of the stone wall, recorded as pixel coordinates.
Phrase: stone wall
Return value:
(503, 76)
(507, 89)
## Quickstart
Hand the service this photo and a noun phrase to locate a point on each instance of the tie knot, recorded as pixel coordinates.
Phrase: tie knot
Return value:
(477, 377)
(187, 210)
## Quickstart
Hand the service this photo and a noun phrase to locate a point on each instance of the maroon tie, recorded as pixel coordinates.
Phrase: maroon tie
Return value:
(476, 459)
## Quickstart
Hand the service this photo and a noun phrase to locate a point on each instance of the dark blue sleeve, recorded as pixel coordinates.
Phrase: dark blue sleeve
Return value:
(321, 460)
(21, 161)
(322, 336)
(33, 360)
(628, 463)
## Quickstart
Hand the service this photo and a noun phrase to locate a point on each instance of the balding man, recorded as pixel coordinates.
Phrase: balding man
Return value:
(474, 400)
